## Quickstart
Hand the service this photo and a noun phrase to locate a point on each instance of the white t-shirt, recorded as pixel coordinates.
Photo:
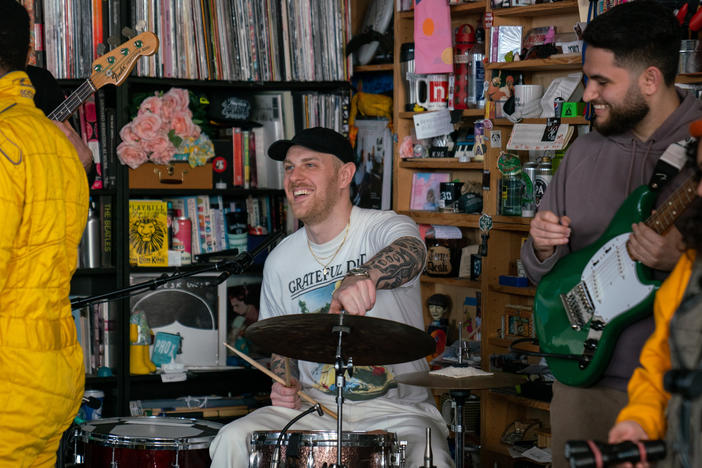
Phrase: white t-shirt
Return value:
(294, 283)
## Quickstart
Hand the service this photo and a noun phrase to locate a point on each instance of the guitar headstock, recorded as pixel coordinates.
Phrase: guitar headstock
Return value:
(115, 66)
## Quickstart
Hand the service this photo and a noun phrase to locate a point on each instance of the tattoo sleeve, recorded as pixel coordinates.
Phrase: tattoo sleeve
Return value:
(278, 366)
(398, 263)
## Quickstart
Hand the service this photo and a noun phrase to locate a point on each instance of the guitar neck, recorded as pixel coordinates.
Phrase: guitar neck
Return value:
(668, 211)
(72, 102)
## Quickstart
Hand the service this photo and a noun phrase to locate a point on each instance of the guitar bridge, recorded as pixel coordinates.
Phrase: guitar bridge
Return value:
(578, 305)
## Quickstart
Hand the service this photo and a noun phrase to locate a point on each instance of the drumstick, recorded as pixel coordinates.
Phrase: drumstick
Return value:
(273, 376)
(286, 364)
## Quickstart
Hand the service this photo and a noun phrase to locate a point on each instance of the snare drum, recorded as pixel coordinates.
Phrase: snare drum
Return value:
(318, 448)
(147, 442)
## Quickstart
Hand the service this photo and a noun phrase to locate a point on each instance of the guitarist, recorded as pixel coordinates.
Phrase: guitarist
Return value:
(631, 60)
(44, 205)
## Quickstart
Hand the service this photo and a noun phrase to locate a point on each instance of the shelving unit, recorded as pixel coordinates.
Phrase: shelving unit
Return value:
(498, 409)
(122, 387)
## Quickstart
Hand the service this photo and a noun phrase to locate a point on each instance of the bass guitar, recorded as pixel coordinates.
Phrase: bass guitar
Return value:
(582, 305)
(111, 68)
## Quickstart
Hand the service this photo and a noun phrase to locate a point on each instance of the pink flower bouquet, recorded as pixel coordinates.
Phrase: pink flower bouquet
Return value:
(163, 131)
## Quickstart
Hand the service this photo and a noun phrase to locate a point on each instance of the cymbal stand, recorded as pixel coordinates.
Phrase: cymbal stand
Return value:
(340, 369)
(459, 396)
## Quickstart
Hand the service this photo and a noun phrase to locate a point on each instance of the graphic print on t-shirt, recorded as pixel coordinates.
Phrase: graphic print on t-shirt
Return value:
(368, 381)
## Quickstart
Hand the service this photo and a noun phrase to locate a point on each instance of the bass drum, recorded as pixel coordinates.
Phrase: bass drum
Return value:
(147, 442)
(318, 449)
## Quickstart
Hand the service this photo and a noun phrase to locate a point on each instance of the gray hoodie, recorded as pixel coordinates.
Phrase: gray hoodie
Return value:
(595, 177)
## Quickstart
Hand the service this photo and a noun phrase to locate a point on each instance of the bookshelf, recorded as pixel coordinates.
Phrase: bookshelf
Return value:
(304, 81)
(498, 409)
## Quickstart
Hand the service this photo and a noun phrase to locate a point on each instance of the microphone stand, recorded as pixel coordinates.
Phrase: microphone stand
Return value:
(235, 266)
(340, 368)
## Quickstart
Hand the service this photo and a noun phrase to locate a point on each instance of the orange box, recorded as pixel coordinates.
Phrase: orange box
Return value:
(176, 175)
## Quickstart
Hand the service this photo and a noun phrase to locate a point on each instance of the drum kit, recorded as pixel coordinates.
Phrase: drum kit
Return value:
(339, 339)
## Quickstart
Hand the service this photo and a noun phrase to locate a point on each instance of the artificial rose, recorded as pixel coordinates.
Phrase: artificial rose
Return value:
(147, 126)
(169, 106)
(127, 134)
(183, 125)
(131, 154)
(181, 96)
(163, 128)
(160, 144)
(162, 157)
(150, 104)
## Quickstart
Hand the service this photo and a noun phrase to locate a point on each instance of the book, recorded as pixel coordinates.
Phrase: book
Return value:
(540, 137)
(267, 109)
(425, 190)
(106, 230)
(148, 233)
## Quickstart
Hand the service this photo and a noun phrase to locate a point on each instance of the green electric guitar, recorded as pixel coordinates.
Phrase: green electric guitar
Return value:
(582, 305)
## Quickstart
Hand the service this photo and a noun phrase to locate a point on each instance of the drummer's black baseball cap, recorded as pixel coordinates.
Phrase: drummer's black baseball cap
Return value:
(320, 139)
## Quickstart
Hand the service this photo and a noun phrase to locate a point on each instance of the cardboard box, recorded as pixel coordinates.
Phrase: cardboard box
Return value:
(176, 175)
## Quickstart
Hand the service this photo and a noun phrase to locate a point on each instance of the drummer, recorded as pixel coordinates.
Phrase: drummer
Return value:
(361, 261)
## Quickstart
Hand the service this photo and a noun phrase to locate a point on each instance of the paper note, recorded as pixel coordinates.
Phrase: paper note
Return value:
(431, 124)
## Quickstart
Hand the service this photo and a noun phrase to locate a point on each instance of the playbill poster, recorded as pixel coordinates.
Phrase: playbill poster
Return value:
(372, 183)
(148, 233)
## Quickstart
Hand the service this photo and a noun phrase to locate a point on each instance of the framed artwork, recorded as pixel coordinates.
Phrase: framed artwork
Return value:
(425, 190)
(192, 307)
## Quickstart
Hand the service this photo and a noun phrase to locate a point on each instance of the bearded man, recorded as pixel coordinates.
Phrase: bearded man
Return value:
(631, 60)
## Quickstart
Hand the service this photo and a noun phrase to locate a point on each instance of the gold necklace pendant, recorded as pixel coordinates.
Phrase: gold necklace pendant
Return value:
(325, 267)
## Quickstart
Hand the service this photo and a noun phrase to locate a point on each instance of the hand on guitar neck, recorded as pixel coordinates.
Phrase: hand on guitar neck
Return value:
(660, 252)
(548, 231)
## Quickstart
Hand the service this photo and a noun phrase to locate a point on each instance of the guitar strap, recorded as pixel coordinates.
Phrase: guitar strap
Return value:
(669, 164)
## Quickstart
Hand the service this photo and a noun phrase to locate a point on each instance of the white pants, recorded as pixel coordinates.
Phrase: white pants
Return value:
(230, 448)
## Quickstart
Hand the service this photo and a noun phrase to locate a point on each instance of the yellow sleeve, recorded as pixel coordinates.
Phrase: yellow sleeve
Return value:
(12, 178)
(647, 398)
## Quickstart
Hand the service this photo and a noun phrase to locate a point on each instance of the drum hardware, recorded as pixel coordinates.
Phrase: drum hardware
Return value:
(317, 337)
(156, 442)
(428, 456)
(317, 449)
(276, 453)
(459, 390)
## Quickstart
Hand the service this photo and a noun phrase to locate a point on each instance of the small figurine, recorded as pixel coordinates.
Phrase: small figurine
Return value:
(439, 306)
(140, 339)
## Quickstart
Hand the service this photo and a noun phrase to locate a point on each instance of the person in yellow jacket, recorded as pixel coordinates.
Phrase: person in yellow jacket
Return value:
(645, 415)
(43, 209)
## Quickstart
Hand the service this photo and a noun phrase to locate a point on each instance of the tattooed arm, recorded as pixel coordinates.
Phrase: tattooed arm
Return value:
(280, 394)
(390, 268)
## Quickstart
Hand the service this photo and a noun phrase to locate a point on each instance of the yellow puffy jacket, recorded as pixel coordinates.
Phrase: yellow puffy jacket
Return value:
(647, 398)
(43, 209)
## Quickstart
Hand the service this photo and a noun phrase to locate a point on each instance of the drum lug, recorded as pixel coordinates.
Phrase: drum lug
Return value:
(403, 454)
(310, 461)
(113, 463)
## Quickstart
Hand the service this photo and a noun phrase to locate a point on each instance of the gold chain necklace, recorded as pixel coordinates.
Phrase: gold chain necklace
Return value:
(320, 260)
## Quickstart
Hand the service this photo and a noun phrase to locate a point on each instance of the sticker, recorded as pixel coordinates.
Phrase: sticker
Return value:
(495, 139)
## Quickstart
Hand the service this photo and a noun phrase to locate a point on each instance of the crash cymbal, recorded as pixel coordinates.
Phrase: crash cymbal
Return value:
(314, 337)
(425, 379)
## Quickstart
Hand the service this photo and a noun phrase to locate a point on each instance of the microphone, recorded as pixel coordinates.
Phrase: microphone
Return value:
(593, 454)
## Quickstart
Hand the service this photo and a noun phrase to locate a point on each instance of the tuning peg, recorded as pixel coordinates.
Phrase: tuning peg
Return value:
(101, 49)
(128, 32)
(114, 41)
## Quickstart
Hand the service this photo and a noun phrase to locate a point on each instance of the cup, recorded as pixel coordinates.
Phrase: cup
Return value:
(436, 87)
(525, 95)
(449, 194)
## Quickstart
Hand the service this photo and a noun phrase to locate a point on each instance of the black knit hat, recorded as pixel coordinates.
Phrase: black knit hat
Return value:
(320, 139)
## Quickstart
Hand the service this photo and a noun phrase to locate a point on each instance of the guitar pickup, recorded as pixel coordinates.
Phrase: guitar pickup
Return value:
(578, 305)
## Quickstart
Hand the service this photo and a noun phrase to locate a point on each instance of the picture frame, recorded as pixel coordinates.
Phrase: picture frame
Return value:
(193, 307)
(425, 190)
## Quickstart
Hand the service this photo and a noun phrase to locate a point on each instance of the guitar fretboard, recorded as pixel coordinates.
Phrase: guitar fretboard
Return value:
(77, 97)
(668, 211)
